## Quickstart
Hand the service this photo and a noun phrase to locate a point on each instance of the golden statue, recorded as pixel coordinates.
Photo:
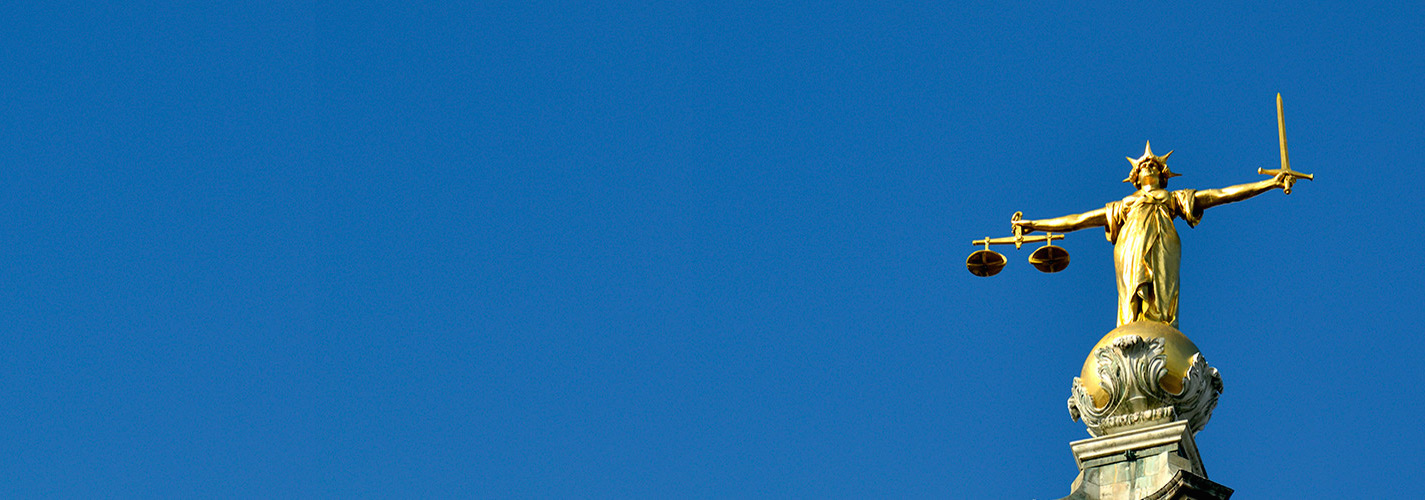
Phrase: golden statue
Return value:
(1146, 250)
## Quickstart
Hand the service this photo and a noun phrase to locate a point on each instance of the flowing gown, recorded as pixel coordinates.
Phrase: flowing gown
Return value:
(1146, 252)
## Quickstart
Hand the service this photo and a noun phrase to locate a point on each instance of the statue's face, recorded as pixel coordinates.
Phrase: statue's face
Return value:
(1150, 176)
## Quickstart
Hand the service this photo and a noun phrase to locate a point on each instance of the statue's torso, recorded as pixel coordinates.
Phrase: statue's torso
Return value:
(1143, 215)
(1146, 253)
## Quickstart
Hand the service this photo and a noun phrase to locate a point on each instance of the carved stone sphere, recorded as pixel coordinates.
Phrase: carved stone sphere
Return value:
(1177, 348)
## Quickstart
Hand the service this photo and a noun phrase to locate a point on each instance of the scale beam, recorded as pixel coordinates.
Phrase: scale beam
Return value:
(1016, 240)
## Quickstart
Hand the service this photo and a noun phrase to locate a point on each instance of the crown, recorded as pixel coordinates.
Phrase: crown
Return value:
(1149, 158)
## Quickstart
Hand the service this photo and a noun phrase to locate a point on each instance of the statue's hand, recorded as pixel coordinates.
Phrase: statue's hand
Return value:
(1025, 226)
(1282, 180)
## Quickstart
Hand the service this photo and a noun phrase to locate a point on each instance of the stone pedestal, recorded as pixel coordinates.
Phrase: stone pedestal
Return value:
(1158, 462)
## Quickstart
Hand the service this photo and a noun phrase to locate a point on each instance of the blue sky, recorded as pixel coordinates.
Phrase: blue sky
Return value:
(706, 250)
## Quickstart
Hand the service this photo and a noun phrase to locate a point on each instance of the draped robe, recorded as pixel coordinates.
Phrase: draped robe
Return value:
(1146, 252)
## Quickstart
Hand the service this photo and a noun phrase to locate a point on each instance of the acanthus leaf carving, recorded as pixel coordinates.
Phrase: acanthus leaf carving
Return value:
(1130, 371)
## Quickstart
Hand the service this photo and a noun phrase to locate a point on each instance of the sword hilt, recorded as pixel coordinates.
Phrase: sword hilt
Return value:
(1291, 176)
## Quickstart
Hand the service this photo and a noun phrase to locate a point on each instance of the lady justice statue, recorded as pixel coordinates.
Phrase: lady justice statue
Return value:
(1146, 250)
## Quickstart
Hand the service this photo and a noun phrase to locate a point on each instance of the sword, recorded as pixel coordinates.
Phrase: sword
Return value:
(1291, 175)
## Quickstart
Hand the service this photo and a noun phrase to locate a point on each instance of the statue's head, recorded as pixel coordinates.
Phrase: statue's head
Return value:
(1149, 167)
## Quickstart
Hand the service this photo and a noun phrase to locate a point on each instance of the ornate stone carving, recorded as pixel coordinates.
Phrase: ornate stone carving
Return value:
(1131, 370)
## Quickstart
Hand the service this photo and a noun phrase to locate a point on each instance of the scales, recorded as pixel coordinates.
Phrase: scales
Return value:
(1048, 258)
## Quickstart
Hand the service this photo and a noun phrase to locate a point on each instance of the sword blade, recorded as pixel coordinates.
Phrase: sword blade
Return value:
(1281, 133)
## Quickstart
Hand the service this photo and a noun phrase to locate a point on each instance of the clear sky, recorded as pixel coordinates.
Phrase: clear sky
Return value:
(682, 249)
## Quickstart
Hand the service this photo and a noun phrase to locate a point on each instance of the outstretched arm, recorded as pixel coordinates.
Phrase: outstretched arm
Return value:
(1208, 198)
(1095, 218)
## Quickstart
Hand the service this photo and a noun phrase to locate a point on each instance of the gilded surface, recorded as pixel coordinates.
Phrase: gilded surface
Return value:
(1146, 252)
(1146, 249)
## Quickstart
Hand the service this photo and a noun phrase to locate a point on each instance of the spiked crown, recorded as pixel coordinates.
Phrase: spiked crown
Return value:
(1148, 158)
